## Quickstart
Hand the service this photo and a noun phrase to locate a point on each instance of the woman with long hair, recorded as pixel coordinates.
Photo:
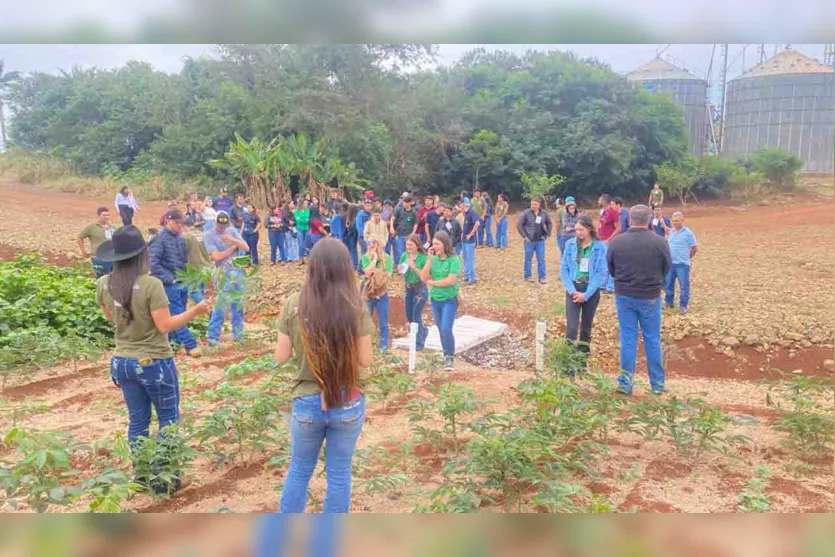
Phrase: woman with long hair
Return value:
(500, 216)
(209, 214)
(566, 221)
(329, 329)
(142, 364)
(351, 236)
(126, 204)
(440, 273)
(377, 267)
(583, 272)
(291, 238)
(276, 232)
(411, 263)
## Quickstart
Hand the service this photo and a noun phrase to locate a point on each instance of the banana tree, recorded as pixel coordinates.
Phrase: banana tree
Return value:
(307, 156)
(346, 175)
(250, 160)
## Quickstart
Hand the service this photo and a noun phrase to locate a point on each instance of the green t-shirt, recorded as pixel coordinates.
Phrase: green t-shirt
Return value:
(420, 260)
(96, 234)
(140, 338)
(288, 324)
(584, 255)
(198, 257)
(501, 209)
(404, 221)
(302, 217)
(441, 269)
(477, 206)
(389, 266)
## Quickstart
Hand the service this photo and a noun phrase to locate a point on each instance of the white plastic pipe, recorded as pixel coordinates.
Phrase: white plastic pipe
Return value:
(540, 347)
(413, 331)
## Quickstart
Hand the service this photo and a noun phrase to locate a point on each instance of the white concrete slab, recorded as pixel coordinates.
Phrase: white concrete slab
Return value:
(469, 331)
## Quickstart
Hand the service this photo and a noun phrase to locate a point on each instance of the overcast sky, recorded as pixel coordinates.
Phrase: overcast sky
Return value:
(169, 57)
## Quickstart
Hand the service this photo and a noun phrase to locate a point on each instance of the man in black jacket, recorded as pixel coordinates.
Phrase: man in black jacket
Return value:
(534, 225)
(449, 224)
(639, 261)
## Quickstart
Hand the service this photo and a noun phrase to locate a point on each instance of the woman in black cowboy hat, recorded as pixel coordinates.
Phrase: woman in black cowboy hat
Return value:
(142, 364)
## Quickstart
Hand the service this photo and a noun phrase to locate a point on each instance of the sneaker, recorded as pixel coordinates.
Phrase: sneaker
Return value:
(194, 352)
(212, 343)
(659, 391)
(272, 263)
(528, 279)
(669, 306)
(682, 311)
(543, 281)
(449, 363)
(622, 391)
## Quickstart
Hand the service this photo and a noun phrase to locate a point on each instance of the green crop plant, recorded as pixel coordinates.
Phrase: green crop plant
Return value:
(453, 404)
(460, 497)
(162, 460)
(388, 381)
(387, 483)
(250, 366)
(559, 497)
(16, 411)
(753, 499)
(109, 491)
(42, 475)
(806, 412)
(563, 358)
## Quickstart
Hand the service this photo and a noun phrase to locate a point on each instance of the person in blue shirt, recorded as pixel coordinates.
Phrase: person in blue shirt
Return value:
(468, 240)
(583, 272)
(362, 217)
(223, 202)
(337, 223)
(659, 224)
(683, 248)
(623, 216)
(252, 227)
(223, 243)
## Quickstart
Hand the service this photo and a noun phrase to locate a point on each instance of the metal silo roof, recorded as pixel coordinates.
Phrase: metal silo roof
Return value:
(787, 62)
(660, 69)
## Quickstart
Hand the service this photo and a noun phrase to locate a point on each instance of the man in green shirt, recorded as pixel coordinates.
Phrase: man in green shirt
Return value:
(98, 233)
(656, 196)
(479, 208)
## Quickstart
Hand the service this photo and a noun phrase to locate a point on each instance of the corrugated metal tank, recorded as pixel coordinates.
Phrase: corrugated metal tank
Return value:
(686, 89)
(788, 102)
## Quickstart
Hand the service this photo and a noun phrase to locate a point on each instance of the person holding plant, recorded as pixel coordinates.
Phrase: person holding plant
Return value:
(417, 294)
(169, 254)
(274, 223)
(126, 204)
(98, 233)
(377, 268)
(329, 330)
(566, 221)
(302, 217)
(534, 225)
(252, 231)
(142, 364)
(440, 273)
(198, 257)
(501, 221)
(223, 244)
(583, 273)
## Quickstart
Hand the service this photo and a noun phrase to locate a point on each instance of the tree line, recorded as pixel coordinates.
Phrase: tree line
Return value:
(388, 115)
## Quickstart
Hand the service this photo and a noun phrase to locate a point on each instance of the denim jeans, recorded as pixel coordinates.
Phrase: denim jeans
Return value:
(100, 267)
(277, 240)
(177, 304)
(632, 313)
(311, 241)
(488, 230)
(399, 248)
(389, 249)
(309, 427)
(251, 239)
(580, 318)
(501, 233)
(142, 386)
(610, 282)
(291, 246)
(680, 272)
(561, 240)
(381, 304)
(479, 235)
(539, 249)
(236, 310)
(414, 301)
(126, 212)
(351, 242)
(468, 253)
(444, 314)
(324, 535)
(303, 251)
(198, 296)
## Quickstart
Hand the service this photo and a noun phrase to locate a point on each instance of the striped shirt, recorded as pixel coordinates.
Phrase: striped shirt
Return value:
(680, 243)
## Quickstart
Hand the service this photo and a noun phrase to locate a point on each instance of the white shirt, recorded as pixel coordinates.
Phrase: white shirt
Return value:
(128, 200)
(209, 214)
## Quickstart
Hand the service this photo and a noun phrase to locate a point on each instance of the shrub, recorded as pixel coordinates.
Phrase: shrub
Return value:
(779, 168)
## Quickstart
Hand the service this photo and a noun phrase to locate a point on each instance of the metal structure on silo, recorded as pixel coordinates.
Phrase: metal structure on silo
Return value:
(787, 101)
(688, 90)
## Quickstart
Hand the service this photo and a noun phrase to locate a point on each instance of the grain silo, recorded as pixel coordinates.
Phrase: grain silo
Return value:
(788, 102)
(687, 90)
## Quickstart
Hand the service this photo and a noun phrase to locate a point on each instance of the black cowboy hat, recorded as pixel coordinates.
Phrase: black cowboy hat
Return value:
(127, 242)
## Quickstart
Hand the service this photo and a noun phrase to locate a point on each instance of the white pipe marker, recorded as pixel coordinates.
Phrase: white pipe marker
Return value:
(540, 347)
(413, 332)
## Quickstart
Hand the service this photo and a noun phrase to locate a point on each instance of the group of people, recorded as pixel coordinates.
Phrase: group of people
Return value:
(328, 325)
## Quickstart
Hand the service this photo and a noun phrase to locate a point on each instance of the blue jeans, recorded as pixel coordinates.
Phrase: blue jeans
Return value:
(389, 249)
(444, 314)
(634, 312)
(415, 301)
(100, 267)
(303, 250)
(153, 384)
(291, 246)
(251, 239)
(198, 296)
(561, 240)
(309, 427)
(277, 239)
(610, 282)
(177, 304)
(468, 252)
(501, 233)
(324, 535)
(351, 243)
(399, 248)
(459, 248)
(236, 309)
(381, 304)
(539, 249)
(486, 229)
(680, 272)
